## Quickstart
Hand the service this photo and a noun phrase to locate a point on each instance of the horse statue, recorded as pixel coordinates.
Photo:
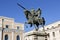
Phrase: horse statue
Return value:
(33, 17)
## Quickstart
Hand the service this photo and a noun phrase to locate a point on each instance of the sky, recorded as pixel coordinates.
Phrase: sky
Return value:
(50, 10)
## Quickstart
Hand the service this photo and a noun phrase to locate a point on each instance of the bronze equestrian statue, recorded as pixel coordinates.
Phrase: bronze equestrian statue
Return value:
(33, 17)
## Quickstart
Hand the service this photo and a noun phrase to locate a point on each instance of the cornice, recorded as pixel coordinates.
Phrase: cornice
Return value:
(54, 28)
(11, 30)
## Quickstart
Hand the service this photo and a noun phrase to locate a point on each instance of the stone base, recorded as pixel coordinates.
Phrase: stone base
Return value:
(35, 35)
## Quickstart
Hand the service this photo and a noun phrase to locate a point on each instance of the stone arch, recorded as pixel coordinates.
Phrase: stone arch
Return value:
(6, 37)
(18, 37)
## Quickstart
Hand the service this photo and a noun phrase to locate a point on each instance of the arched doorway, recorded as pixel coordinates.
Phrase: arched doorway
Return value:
(18, 38)
(6, 37)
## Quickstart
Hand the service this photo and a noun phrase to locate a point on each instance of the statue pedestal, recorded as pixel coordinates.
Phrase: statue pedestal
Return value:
(36, 35)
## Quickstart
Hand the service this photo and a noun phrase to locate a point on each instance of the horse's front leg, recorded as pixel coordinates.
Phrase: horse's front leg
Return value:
(26, 24)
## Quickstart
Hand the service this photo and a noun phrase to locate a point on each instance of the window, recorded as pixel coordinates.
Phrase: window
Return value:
(45, 36)
(52, 26)
(48, 35)
(17, 27)
(58, 25)
(45, 39)
(18, 38)
(6, 26)
(6, 37)
(53, 34)
(47, 28)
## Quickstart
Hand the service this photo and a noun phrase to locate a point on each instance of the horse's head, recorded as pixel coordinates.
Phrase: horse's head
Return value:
(27, 13)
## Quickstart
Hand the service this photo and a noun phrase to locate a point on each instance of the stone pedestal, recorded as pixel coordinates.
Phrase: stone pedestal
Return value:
(36, 35)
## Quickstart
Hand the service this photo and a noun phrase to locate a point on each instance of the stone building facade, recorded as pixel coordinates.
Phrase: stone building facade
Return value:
(10, 30)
